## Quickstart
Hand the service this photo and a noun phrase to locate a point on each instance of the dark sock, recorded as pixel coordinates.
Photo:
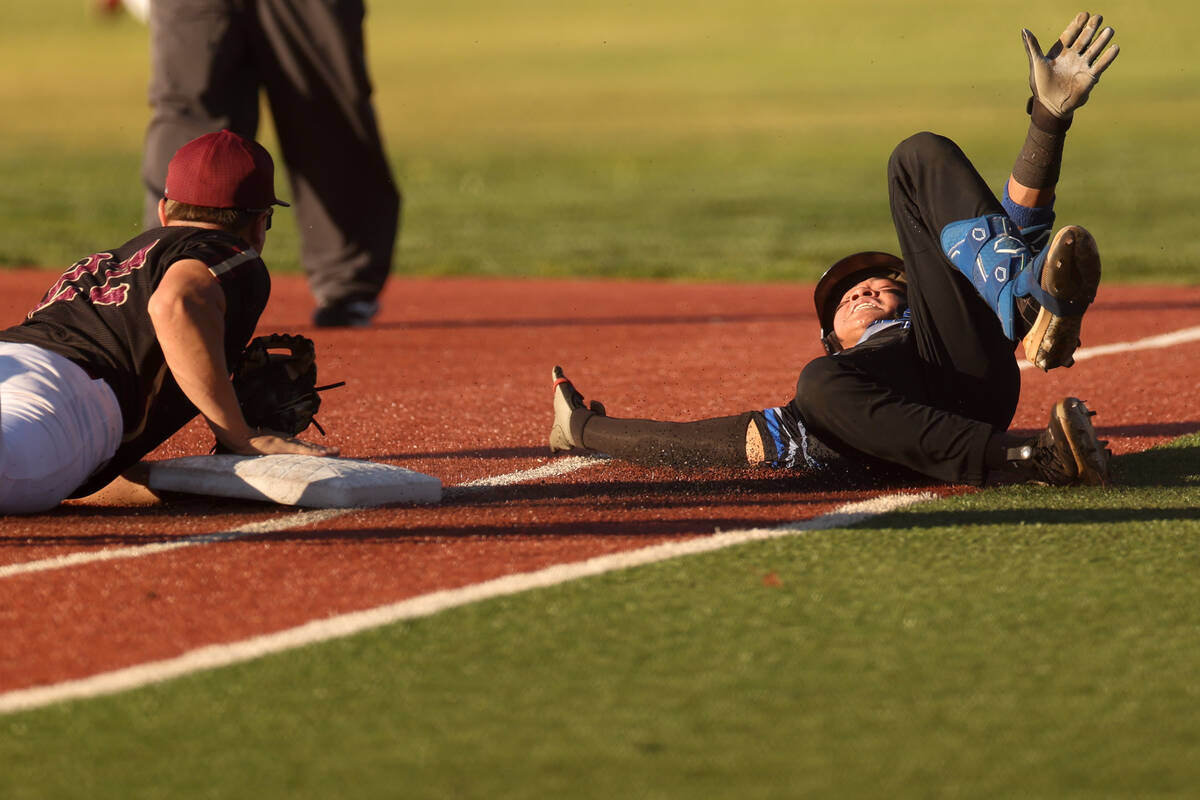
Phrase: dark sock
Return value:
(579, 418)
(719, 442)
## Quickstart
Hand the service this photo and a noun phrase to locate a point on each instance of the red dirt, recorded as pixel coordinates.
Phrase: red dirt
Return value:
(454, 381)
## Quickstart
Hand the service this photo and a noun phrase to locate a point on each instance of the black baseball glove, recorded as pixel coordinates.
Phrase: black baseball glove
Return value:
(276, 384)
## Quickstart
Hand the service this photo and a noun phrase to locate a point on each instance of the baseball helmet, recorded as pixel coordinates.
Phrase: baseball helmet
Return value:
(839, 278)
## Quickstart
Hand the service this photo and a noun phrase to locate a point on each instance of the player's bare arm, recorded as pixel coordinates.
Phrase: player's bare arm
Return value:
(188, 312)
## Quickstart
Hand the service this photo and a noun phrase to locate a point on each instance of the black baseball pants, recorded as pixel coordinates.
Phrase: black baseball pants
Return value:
(928, 401)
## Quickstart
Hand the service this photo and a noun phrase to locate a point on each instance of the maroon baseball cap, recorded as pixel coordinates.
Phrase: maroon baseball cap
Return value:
(222, 170)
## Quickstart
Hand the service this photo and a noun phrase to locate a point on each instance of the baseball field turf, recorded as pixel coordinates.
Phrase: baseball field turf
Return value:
(1017, 642)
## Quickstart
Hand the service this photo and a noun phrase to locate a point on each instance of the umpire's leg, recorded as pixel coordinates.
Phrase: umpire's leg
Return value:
(347, 204)
(966, 356)
(203, 78)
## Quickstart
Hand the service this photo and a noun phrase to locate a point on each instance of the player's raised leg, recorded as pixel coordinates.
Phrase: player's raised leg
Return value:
(1039, 298)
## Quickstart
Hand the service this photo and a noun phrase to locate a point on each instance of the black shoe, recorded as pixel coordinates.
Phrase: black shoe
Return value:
(346, 314)
(1067, 453)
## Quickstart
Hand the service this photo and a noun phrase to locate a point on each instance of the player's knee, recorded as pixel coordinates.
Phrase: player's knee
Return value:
(815, 388)
(921, 147)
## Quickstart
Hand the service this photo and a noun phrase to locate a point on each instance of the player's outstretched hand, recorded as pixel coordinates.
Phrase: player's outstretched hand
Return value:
(267, 443)
(1063, 76)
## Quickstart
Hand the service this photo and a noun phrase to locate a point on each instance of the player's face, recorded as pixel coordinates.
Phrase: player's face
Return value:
(866, 302)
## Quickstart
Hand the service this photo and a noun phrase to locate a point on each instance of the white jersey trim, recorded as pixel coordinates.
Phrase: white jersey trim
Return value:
(233, 262)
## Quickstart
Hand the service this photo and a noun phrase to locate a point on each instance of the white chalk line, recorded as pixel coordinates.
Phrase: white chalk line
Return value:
(137, 551)
(222, 655)
(561, 467)
(1178, 337)
(551, 470)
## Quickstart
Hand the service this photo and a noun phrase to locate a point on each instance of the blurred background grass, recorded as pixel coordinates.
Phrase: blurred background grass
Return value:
(736, 139)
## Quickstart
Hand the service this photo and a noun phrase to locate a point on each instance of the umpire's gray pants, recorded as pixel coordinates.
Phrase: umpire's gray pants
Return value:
(209, 59)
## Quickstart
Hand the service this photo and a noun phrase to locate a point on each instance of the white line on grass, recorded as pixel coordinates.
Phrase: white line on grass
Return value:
(425, 605)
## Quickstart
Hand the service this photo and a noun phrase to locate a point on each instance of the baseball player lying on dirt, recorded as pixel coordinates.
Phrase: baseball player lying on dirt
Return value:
(920, 371)
(129, 345)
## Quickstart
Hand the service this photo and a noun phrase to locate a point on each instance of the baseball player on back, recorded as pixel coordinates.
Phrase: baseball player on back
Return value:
(130, 344)
(919, 371)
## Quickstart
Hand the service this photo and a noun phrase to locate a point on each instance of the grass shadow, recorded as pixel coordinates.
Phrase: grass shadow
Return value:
(1025, 515)
(1174, 465)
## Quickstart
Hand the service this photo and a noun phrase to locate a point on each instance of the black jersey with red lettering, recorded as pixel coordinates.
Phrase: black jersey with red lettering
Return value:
(96, 315)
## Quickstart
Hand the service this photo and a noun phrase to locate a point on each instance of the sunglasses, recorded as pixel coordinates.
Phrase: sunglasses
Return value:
(269, 211)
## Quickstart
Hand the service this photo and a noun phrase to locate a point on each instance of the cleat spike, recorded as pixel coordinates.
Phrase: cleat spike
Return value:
(1067, 453)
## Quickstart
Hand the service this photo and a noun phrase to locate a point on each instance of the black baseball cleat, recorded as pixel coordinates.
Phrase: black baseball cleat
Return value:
(1070, 275)
(566, 402)
(1067, 453)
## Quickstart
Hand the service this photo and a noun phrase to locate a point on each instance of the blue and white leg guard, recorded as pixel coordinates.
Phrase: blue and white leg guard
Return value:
(991, 252)
(787, 442)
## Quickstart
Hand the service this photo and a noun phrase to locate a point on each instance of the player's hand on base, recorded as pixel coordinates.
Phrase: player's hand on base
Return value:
(267, 443)
(1063, 76)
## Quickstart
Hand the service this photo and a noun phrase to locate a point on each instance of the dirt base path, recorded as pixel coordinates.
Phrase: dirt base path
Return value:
(454, 380)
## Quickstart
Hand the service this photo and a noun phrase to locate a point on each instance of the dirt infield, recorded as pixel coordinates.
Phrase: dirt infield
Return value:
(454, 380)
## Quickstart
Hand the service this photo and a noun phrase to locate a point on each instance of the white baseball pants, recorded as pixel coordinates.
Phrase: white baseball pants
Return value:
(57, 425)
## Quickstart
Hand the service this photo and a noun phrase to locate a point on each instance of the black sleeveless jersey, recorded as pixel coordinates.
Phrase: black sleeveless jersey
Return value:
(96, 315)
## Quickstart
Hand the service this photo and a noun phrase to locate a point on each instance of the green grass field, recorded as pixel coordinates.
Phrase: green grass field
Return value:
(737, 140)
(1030, 642)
